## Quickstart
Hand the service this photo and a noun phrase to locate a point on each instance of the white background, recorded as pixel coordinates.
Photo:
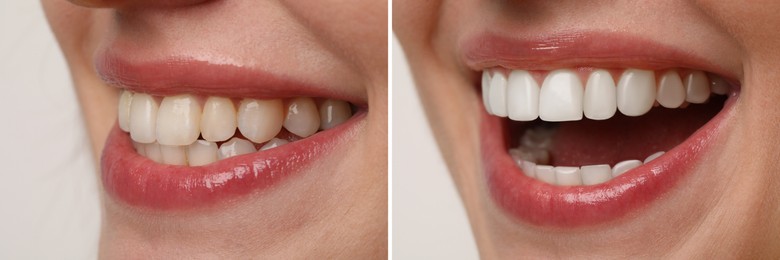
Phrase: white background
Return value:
(49, 205)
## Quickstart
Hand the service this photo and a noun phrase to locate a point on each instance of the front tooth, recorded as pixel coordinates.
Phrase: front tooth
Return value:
(529, 168)
(545, 173)
(333, 113)
(718, 85)
(636, 92)
(497, 97)
(568, 176)
(219, 119)
(560, 98)
(260, 120)
(302, 118)
(153, 152)
(173, 155)
(276, 142)
(139, 148)
(653, 157)
(201, 153)
(486, 90)
(178, 120)
(596, 174)
(671, 92)
(624, 166)
(235, 147)
(522, 96)
(143, 118)
(123, 110)
(697, 87)
(600, 101)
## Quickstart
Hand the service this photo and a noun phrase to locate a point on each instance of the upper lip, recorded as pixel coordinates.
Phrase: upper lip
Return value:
(548, 205)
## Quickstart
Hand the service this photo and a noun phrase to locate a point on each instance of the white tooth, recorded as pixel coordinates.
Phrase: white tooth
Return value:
(636, 92)
(218, 122)
(178, 120)
(671, 92)
(560, 98)
(302, 118)
(276, 142)
(143, 118)
(173, 155)
(653, 157)
(123, 110)
(529, 168)
(568, 176)
(719, 85)
(486, 90)
(333, 113)
(522, 99)
(139, 148)
(201, 153)
(497, 98)
(153, 152)
(235, 147)
(600, 101)
(697, 87)
(624, 166)
(260, 120)
(545, 173)
(596, 174)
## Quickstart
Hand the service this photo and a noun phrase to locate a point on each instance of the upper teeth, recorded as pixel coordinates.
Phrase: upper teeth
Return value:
(562, 96)
(168, 131)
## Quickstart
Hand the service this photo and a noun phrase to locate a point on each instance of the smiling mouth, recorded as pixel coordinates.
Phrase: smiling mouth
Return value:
(582, 128)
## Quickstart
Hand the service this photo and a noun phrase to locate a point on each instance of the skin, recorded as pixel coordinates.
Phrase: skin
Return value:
(728, 208)
(335, 209)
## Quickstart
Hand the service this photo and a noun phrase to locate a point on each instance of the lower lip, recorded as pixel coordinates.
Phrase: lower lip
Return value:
(138, 181)
(543, 204)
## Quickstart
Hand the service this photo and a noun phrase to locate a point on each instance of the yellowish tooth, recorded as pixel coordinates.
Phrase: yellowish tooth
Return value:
(218, 122)
(178, 120)
(123, 111)
(260, 120)
(201, 153)
(235, 147)
(143, 118)
(333, 113)
(173, 155)
(302, 118)
(276, 142)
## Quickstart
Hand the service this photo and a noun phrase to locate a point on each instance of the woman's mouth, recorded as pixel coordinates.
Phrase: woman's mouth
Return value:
(206, 138)
(578, 133)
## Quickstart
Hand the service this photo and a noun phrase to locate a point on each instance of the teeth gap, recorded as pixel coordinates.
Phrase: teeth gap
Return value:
(193, 130)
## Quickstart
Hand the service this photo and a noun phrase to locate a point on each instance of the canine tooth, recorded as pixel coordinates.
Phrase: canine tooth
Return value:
(718, 85)
(497, 97)
(529, 168)
(653, 156)
(600, 101)
(260, 120)
(636, 92)
(560, 98)
(173, 155)
(143, 118)
(671, 92)
(201, 153)
(123, 111)
(624, 166)
(697, 87)
(153, 152)
(302, 118)
(333, 113)
(522, 93)
(545, 173)
(276, 142)
(596, 174)
(486, 90)
(568, 176)
(218, 122)
(178, 120)
(235, 147)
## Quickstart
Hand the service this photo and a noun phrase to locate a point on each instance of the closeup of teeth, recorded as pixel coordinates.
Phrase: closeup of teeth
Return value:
(562, 96)
(195, 131)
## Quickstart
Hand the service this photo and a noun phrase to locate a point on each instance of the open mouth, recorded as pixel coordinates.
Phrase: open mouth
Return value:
(571, 141)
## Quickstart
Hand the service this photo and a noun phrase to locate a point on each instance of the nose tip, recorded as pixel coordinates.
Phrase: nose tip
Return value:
(134, 3)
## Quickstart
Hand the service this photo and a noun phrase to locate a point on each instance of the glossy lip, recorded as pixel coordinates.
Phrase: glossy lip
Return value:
(140, 182)
(543, 204)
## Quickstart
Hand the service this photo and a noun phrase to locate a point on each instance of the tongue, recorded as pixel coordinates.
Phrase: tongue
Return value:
(589, 142)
